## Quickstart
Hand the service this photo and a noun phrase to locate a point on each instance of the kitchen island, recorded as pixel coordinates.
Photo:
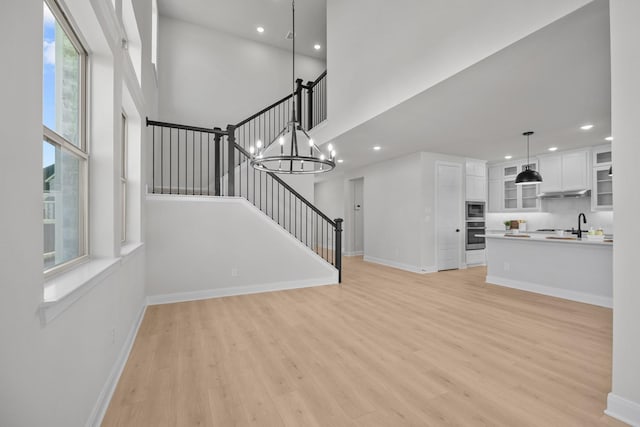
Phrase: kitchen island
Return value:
(578, 270)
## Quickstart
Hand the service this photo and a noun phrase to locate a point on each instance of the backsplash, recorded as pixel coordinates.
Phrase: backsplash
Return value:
(557, 213)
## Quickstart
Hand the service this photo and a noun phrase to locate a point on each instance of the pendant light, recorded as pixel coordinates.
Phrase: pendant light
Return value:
(528, 175)
(292, 151)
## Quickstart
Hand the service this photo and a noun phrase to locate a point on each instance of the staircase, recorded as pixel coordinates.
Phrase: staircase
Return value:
(197, 161)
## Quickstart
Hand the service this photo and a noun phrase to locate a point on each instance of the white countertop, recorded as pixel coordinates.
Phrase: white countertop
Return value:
(544, 238)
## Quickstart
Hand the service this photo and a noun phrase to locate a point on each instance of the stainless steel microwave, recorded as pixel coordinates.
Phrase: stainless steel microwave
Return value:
(475, 211)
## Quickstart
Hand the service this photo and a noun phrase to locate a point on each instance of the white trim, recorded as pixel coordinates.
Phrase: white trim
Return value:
(104, 398)
(428, 269)
(623, 409)
(353, 253)
(401, 266)
(62, 291)
(599, 300)
(129, 249)
(241, 290)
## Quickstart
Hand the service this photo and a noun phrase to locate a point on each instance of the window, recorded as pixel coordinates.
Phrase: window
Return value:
(154, 35)
(123, 178)
(64, 151)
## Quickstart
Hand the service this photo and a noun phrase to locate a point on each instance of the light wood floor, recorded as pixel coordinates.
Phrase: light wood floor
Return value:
(388, 348)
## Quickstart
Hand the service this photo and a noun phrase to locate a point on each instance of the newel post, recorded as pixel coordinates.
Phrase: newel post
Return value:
(231, 163)
(309, 105)
(338, 248)
(217, 162)
(299, 100)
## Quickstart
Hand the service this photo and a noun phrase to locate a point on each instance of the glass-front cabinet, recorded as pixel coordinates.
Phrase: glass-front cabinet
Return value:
(505, 195)
(602, 189)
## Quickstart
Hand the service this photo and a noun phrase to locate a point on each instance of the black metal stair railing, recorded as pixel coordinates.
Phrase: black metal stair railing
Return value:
(191, 160)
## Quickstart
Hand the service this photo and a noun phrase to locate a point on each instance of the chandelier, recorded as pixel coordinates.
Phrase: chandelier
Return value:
(292, 151)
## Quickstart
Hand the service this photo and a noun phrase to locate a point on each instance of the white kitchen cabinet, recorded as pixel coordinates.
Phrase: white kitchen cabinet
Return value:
(476, 180)
(495, 172)
(495, 195)
(565, 171)
(575, 171)
(602, 185)
(551, 171)
(476, 188)
(602, 155)
(477, 257)
(476, 168)
(505, 195)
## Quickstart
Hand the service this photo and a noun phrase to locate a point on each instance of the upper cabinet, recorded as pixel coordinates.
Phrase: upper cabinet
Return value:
(476, 180)
(602, 187)
(505, 195)
(565, 171)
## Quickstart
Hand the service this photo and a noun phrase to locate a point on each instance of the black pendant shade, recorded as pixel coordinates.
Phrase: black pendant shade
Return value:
(528, 176)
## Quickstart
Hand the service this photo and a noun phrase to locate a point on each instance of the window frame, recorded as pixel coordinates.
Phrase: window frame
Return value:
(79, 151)
(124, 174)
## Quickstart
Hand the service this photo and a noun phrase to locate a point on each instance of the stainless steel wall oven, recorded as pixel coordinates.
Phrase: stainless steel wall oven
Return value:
(473, 241)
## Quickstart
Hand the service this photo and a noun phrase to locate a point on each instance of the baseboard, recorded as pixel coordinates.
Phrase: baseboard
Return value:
(401, 266)
(551, 291)
(353, 253)
(240, 290)
(104, 398)
(623, 409)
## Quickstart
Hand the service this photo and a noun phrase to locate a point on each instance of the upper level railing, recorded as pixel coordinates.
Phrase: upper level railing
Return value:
(266, 124)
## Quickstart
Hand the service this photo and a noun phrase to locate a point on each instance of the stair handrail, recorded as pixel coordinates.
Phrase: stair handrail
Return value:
(216, 131)
(288, 187)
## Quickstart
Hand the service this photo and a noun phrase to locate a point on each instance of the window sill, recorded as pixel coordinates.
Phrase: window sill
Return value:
(61, 291)
(129, 248)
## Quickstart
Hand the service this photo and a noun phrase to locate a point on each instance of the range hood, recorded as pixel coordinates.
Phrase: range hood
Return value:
(564, 194)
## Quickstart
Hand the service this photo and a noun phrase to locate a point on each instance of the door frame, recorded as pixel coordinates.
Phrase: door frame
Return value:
(349, 225)
(439, 163)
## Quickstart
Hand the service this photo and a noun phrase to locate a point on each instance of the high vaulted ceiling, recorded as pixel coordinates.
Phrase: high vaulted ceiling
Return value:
(242, 17)
(551, 82)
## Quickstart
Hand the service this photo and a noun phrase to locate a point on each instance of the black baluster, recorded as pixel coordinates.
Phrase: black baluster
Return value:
(338, 248)
(217, 160)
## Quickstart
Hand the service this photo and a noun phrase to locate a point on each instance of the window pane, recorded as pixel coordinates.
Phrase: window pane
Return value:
(63, 206)
(61, 81)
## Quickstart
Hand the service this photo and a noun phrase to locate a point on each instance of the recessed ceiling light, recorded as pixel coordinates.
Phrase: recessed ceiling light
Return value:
(340, 161)
(586, 127)
(260, 29)
(553, 148)
(508, 157)
(317, 46)
(377, 148)
(609, 138)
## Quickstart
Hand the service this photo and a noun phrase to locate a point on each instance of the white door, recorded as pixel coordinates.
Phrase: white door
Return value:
(358, 216)
(449, 215)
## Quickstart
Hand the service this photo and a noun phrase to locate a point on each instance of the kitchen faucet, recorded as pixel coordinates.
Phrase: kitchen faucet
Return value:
(584, 221)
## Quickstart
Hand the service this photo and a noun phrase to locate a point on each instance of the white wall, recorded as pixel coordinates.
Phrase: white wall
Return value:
(329, 196)
(392, 196)
(558, 213)
(216, 246)
(373, 66)
(53, 374)
(624, 399)
(207, 77)
(399, 204)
